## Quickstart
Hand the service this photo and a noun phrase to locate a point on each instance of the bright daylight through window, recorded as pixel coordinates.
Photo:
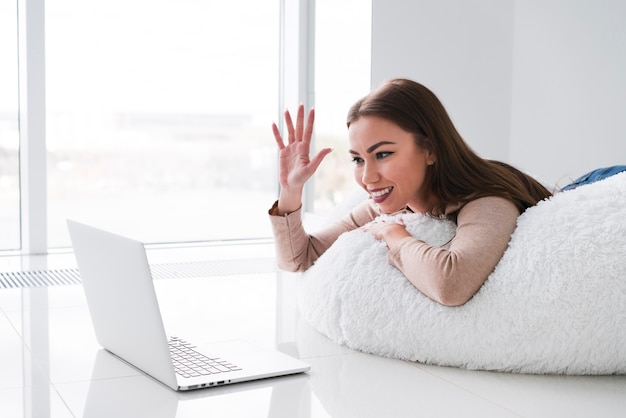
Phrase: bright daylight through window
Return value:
(342, 75)
(158, 117)
(9, 136)
(158, 114)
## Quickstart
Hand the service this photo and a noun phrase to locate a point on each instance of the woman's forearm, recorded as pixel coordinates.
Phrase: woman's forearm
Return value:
(289, 200)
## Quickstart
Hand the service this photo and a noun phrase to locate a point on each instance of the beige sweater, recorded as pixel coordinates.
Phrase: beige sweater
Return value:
(449, 276)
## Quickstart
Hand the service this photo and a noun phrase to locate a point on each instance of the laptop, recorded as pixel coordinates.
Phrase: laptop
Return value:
(137, 397)
(127, 321)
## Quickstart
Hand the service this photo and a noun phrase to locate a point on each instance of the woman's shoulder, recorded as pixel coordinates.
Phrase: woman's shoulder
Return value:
(490, 201)
(486, 206)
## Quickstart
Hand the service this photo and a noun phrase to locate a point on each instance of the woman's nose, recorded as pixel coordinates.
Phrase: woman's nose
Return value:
(370, 174)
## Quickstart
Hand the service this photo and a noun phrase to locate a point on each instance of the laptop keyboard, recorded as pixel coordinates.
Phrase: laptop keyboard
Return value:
(190, 363)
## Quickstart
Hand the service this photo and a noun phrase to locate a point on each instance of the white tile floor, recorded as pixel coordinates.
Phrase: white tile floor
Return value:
(52, 366)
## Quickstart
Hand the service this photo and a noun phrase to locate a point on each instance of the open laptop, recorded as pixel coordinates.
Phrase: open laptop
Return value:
(127, 321)
(115, 398)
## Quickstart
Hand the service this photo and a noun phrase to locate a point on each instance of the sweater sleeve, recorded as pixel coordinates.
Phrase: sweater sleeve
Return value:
(296, 250)
(452, 276)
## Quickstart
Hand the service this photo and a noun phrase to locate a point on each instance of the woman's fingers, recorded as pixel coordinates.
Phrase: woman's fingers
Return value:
(300, 132)
(300, 123)
(295, 166)
(308, 132)
(291, 136)
(277, 137)
(317, 159)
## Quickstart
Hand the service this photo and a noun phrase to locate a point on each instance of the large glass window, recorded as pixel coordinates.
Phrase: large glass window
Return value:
(342, 76)
(9, 132)
(159, 115)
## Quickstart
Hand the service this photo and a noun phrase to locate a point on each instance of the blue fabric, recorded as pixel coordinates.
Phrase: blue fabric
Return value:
(595, 175)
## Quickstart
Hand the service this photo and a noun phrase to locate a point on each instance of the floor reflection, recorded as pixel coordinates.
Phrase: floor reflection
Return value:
(36, 352)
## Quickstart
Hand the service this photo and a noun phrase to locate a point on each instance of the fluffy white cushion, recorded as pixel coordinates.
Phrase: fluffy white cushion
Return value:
(556, 302)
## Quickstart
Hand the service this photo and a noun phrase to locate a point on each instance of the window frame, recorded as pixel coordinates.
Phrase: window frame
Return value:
(32, 126)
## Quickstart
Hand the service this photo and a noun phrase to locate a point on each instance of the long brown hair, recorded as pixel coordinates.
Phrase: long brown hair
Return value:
(459, 175)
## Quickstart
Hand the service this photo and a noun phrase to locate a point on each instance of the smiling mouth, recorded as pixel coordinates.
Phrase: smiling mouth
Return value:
(379, 195)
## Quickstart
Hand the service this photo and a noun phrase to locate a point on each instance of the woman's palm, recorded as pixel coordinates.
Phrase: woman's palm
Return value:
(295, 166)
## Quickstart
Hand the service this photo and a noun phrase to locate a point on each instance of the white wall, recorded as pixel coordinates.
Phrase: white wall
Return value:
(462, 51)
(539, 83)
(569, 87)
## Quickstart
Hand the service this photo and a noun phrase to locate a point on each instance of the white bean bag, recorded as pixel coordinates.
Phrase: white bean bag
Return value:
(556, 302)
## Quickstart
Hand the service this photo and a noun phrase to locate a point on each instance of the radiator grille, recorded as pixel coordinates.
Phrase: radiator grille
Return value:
(191, 269)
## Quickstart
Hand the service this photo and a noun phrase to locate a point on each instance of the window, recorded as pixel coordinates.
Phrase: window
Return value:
(9, 135)
(159, 116)
(342, 76)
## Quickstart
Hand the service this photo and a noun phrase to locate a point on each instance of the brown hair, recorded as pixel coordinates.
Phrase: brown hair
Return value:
(459, 175)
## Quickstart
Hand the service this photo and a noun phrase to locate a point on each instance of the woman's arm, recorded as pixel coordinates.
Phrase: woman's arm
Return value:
(296, 250)
(452, 276)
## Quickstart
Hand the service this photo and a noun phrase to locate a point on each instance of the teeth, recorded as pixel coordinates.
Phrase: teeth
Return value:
(381, 192)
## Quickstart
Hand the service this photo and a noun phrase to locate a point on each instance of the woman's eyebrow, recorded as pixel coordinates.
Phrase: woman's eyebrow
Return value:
(374, 147)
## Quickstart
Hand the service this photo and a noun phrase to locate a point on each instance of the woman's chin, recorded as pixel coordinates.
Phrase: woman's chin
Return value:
(388, 209)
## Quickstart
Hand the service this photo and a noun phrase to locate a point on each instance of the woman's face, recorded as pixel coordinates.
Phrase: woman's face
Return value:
(389, 164)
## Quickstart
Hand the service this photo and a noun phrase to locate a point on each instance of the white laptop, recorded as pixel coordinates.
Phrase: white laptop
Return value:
(127, 321)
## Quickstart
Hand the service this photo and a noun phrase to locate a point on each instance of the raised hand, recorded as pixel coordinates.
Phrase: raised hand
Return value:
(295, 166)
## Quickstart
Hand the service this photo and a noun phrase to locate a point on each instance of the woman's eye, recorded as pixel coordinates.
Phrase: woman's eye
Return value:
(383, 154)
(357, 160)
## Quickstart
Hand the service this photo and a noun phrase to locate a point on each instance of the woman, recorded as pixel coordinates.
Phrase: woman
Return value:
(408, 156)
